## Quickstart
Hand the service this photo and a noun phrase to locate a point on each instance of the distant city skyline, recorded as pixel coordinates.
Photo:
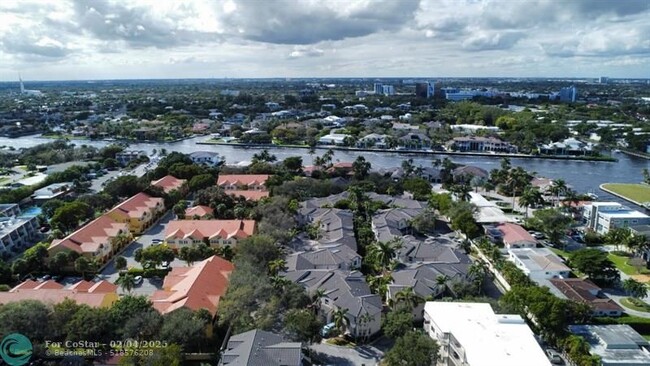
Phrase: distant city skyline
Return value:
(103, 39)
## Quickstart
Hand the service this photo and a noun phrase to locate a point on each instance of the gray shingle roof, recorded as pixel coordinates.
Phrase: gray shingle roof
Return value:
(387, 223)
(261, 348)
(337, 226)
(338, 257)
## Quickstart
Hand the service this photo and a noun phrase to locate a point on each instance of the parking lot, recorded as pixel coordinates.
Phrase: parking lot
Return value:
(149, 285)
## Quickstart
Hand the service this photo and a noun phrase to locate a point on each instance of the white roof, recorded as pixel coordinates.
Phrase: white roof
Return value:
(539, 259)
(488, 339)
(623, 214)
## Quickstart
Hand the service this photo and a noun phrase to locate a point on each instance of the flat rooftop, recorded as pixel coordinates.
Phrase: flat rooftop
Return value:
(539, 259)
(489, 339)
(616, 344)
(623, 214)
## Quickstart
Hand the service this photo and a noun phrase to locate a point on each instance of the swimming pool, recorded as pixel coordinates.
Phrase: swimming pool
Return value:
(31, 211)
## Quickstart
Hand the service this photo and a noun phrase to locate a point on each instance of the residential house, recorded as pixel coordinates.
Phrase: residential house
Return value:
(170, 183)
(180, 233)
(127, 156)
(379, 141)
(93, 241)
(615, 344)
(199, 286)
(480, 144)
(471, 334)
(570, 146)
(18, 231)
(208, 158)
(394, 222)
(334, 257)
(55, 190)
(344, 290)
(487, 211)
(101, 294)
(604, 216)
(414, 140)
(539, 263)
(261, 348)
(474, 172)
(515, 236)
(337, 139)
(586, 292)
(335, 226)
(139, 212)
(399, 126)
(250, 186)
(199, 211)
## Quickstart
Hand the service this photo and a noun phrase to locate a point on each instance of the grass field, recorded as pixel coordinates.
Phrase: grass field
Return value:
(622, 265)
(636, 192)
(635, 304)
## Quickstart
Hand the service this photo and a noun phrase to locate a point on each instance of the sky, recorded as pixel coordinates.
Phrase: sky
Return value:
(138, 39)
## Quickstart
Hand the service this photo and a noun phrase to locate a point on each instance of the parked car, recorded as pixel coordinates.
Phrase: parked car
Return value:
(137, 280)
(554, 357)
(156, 241)
(327, 329)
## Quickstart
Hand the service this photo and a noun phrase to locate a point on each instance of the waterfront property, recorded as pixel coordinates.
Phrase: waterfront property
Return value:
(17, 231)
(127, 156)
(208, 158)
(480, 144)
(471, 334)
(56, 190)
(615, 344)
(604, 216)
(180, 233)
(101, 294)
(199, 286)
(636, 193)
(259, 347)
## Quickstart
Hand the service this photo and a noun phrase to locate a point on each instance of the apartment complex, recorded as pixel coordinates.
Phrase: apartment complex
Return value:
(180, 233)
(250, 186)
(93, 241)
(138, 212)
(170, 183)
(17, 231)
(102, 294)
(604, 216)
(471, 334)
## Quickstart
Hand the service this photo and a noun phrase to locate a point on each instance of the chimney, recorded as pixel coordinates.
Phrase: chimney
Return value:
(241, 225)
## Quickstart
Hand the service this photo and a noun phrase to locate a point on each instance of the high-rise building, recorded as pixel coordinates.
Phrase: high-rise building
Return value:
(568, 94)
(379, 88)
(603, 80)
(424, 90)
(388, 90)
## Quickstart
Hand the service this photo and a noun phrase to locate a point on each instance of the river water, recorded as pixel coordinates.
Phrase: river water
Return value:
(583, 176)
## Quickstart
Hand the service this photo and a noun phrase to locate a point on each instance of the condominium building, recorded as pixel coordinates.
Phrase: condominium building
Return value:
(17, 232)
(471, 334)
(604, 216)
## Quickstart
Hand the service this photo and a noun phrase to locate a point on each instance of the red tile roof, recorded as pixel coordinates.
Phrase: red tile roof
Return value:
(168, 183)
(242, 179)
(89, 293)
(199, 229)
(249, 195)
(198, 211)
(198, 287)
(584, 291)
(91, 236)
(135, 206)
(513, 234)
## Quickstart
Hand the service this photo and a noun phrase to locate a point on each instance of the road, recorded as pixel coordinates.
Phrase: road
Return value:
(97, 184)
(365, 355)
(145, 240)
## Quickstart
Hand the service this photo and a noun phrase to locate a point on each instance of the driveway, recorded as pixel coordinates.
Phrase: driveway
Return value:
(340, 355)
(145, 240)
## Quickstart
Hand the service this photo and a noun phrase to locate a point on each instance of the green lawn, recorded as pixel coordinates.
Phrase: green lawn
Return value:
(635, 304)
(621, 264)
(636, 192)
(561, 252)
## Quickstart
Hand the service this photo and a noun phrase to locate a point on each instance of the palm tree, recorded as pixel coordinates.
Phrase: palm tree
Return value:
(477, 272)
(279, 282)
(365, 319)
(341, 322)
(635, 243)
(409, 298)
(379, 284)
(635, 288)
(126, 281)
(316, 299)
(382, 254)
(120, 263)
(276, 266)
(441, 282)
(531, 197)
(461, 191)
(558, 188)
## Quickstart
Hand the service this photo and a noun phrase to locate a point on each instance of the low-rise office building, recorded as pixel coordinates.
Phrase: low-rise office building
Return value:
(604, 216)
(471, 334)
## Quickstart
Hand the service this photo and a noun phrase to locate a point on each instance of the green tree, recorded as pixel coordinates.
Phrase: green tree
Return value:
(28, 317)
(259, 249)
(381, 254)
(19, 267)
(82, 265)
(201, 181)
(120, 263)
(461, 215)
(276, 266)
(66, 218)
(551, 222)
(91, 325)
(125, 186)
(169, 355)
(595, 264)
(154, 255)
(293, 164)
(635, 288)
(398, 323)
(182, 327)
(408, 299)
(126, 281)
(531, 197)
(302, 325)
(60, 261)
(341, 322)
(419, 187)
(425, 222)
(361, 167)
(49, 207)
(415, 348)
(36, 257)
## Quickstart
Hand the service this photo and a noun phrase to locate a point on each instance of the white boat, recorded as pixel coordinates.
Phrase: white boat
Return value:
(593, 196)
